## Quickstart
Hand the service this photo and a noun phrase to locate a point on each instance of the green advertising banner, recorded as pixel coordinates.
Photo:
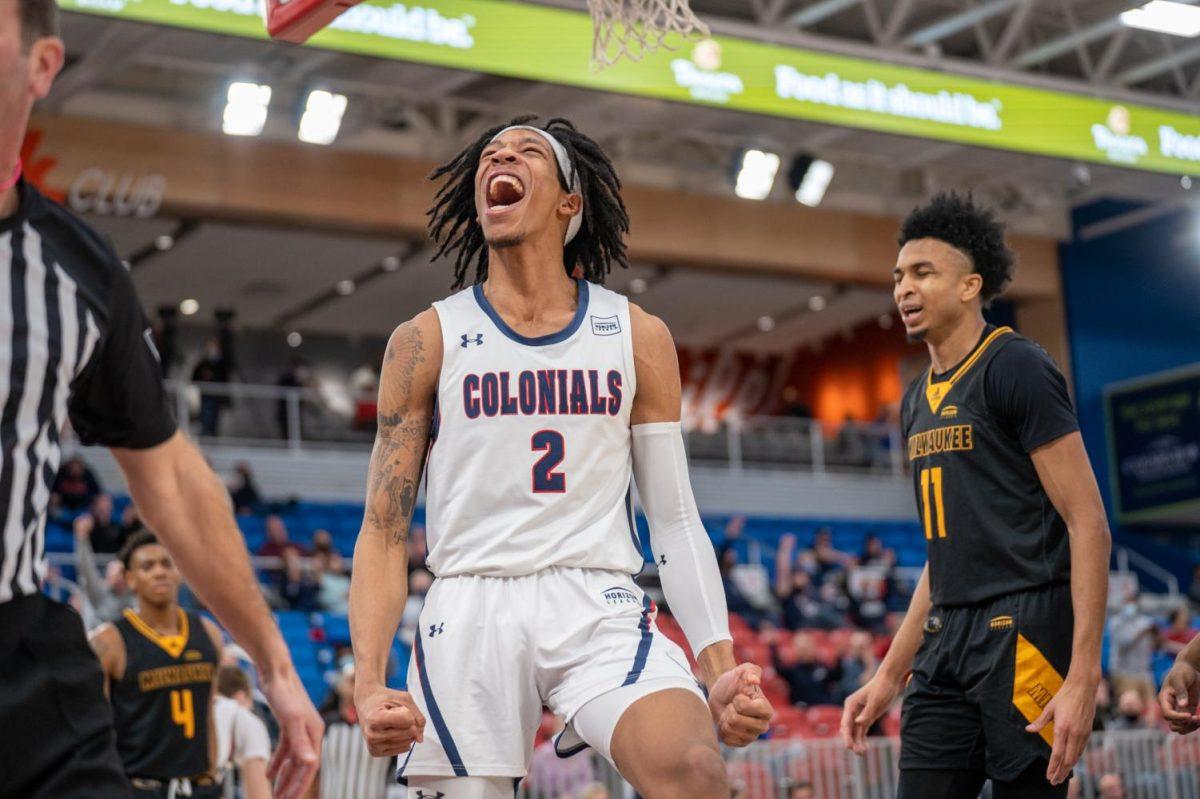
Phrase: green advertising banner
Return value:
(554, 45)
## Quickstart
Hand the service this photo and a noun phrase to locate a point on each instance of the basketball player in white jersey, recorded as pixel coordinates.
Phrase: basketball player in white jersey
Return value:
(530, 400)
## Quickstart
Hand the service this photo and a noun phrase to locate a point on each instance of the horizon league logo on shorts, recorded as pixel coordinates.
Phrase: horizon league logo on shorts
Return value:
(620, 596)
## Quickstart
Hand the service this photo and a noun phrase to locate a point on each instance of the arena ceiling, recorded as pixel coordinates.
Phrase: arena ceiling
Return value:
(176, 78)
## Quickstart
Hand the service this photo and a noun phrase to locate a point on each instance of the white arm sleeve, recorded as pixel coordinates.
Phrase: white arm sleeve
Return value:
(690, 577)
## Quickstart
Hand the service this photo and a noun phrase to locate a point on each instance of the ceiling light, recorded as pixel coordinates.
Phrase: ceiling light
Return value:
(164, 243)
(809, 178)
(766, 324)
(189, 307)
(391, 263)
(1163, 16)
(637, 286)
(294, 339)
(345, 287)
(246, 109)
(816, 303)
(322, 117)
(756, 174)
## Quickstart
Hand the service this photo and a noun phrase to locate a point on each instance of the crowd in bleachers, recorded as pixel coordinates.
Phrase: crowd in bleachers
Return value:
(814, 603)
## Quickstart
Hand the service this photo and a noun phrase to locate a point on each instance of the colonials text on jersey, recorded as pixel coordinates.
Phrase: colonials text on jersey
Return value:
(542, 392)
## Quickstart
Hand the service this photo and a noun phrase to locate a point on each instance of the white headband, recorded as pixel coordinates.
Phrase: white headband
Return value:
(568, 171)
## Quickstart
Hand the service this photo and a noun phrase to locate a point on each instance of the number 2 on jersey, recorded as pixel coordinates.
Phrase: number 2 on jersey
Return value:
(183, 712)
(933, 477)
(545, 479)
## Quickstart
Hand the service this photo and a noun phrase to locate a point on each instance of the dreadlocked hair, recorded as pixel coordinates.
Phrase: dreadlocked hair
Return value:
(600, 243)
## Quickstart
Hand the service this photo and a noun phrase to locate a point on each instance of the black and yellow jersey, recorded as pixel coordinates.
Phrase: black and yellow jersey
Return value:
(161, 704)
(989, 527)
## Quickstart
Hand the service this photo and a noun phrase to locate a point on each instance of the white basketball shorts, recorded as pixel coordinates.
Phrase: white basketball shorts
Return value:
(491, 651)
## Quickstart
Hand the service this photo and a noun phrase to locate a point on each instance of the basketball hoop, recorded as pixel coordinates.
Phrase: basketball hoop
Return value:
(633, 28)
(297, 20)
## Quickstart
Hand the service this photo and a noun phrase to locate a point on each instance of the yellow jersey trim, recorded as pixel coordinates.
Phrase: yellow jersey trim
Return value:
(935, 393)
(173, 645)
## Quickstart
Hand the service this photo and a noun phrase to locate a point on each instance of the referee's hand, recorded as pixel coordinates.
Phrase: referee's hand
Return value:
(390, 721)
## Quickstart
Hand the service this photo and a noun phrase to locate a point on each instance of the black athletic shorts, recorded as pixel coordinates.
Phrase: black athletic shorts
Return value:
(56, 727)
(983, 673)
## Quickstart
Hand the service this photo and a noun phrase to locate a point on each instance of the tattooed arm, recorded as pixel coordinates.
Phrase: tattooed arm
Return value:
(379, 580)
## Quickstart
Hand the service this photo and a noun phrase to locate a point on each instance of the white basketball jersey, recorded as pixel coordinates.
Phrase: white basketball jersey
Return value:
(530, 458)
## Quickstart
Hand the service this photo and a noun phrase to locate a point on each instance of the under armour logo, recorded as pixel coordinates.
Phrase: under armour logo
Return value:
(422, 795)
(435, 629)
(467, 341)
(662, 560)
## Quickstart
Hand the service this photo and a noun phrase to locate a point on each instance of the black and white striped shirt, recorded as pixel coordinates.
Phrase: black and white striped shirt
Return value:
(348, 771)
(74, 343)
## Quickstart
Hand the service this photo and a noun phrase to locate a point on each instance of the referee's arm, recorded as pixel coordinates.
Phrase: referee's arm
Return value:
(118, 401)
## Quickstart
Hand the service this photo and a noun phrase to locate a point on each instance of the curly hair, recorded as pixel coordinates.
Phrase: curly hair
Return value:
(142, 538)
(456, 231)
(973, 230)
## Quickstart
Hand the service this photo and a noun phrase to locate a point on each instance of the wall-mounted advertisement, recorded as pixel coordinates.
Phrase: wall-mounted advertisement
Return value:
(554, 45)
(1154, 445)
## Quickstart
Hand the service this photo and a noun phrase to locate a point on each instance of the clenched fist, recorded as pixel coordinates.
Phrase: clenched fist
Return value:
(390, 720)
(739, 708)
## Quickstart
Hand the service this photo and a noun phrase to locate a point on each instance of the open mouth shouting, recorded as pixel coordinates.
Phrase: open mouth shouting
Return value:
(504, 192)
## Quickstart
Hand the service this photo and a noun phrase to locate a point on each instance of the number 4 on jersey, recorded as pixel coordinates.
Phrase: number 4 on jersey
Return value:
(545, 479)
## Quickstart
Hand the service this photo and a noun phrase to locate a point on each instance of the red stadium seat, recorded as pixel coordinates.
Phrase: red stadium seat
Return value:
(825, 720)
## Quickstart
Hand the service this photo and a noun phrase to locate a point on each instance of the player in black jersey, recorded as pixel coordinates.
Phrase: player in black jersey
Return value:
(160, 664)
(1003, 632)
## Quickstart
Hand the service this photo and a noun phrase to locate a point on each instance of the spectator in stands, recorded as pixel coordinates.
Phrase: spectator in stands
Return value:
(802, 605)
(419, 582)
(810, 682)
(733, 533)
(75, 487)
(553, 776)
(298, 587)
(1131, 712)
(828, 558)
(298, 375)
(801, 790)
(131, 520)
(242, 738)
(1104, 708)
(1134, 637)
(347, 769)
(416, 548)
(107, 536)
(1179, 633)
(858, 663)
(1194, 588)
(874, 553)
(243, 490)
(107, 596)
(1112, 786)
(332, 577)
(364, 386)
(794, 406)
(214, 367)
(278, 540)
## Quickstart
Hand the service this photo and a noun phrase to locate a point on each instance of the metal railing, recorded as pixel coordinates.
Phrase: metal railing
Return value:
(300, 418)
(1150, 764)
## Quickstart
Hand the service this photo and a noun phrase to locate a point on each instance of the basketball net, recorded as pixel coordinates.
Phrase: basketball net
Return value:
(633, 28)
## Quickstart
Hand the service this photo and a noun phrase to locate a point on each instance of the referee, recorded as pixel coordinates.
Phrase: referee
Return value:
(74, 344)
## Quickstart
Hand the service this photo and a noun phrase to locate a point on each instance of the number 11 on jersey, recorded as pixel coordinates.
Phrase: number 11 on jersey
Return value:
(932, 478)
